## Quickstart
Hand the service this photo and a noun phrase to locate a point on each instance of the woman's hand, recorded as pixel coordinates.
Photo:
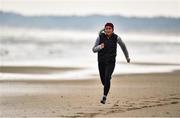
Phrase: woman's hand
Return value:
(102, 45)
(101, 31)
(128, 60)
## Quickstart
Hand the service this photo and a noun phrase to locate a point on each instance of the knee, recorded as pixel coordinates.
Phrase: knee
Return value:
(108, 78)
(107, 81)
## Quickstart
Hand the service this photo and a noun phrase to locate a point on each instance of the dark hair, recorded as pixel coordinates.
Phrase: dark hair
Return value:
(109, 24)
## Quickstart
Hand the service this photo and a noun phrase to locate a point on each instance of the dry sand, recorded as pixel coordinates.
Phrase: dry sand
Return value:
(144, 95)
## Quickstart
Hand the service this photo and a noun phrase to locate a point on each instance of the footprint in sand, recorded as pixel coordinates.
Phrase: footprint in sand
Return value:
(143, 103)
(167, 112)
(135, 104)
(53, 112)
(175, 102)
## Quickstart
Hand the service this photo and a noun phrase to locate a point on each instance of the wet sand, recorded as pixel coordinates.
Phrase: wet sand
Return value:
(142, 95)
(35, 69)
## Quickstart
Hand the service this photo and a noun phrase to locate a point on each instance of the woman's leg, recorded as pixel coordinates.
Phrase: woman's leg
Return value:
(108, 73)
(101, 67)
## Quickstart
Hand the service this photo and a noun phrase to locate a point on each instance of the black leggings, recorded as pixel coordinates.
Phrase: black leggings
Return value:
(105, 72)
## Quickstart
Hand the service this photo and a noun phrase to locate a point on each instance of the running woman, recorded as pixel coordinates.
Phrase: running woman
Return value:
(106, 46)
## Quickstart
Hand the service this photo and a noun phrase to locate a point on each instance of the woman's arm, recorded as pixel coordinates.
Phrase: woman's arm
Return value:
(96, 46)
(123, 47)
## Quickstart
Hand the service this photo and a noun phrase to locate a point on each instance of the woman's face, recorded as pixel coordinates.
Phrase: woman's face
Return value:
(108, 30)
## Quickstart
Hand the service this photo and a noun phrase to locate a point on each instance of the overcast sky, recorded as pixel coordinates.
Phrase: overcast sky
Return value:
(86, 7)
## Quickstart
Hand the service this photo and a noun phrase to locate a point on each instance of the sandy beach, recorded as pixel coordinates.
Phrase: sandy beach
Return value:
(50, 52)
(132, 95)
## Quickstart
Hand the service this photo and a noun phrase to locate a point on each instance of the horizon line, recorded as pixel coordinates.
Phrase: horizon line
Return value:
(93, 14)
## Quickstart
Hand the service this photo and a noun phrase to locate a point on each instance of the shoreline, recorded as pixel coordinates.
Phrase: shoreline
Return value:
(93, 78)
(8, 72)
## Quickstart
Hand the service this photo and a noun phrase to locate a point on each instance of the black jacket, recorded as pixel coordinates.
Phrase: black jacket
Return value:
(108, 53)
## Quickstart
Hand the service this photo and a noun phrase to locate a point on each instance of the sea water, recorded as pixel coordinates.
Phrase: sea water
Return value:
(149, 53)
